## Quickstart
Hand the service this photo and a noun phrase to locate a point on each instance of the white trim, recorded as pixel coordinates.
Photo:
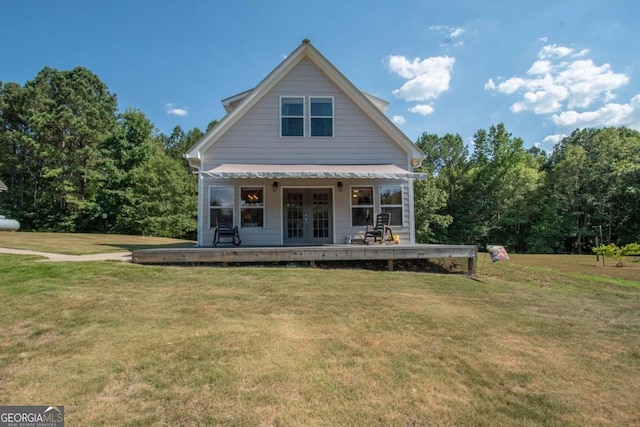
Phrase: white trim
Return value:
(305, 50)
(351, 206)
(233, 204)
(201, 195)
(304, 114)
(333, 116)
(338, 171)
(263, 207)
(412, 212)
(304, 187)
(401, 205)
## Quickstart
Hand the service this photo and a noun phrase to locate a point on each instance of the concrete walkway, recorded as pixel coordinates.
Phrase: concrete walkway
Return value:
(112, 256)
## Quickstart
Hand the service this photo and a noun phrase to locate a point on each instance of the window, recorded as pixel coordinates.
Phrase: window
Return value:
(220, 204)
(391, 202)
(292, 116)
(321, 118)
(252, 206)
(361, 206)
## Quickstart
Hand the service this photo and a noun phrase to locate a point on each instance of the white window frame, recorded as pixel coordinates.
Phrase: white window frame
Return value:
(292, 117)
(401, 205)
(233, 203)
(264, 196)
(372, 206)
(332, 117)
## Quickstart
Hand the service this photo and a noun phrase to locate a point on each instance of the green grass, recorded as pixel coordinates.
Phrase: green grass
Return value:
(85, 244)
(537, 340)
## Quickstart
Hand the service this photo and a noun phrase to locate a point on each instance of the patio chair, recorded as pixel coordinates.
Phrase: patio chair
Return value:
(225, 229)
(380, 230)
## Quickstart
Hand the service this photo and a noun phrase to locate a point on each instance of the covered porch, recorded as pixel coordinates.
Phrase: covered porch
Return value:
(311, 254)
(304, 205)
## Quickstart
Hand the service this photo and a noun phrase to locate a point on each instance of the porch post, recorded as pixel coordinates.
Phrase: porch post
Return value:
(201, 199)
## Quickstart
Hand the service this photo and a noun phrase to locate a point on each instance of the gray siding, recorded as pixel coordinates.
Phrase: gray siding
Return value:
(255, 138)
(272, 233)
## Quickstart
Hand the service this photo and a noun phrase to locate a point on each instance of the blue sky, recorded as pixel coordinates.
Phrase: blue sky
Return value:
(541, 67)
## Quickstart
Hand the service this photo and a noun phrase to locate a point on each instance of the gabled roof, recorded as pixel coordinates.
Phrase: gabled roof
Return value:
(239, 104)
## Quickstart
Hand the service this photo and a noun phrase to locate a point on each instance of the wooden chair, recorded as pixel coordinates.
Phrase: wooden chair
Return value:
(380, 230)
(225, 229)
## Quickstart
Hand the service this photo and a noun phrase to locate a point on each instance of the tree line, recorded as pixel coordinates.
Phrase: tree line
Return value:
(526, 199)
(74, 163)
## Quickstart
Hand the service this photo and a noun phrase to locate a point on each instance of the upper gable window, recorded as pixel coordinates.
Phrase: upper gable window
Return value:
(292, 116)
(321, 116)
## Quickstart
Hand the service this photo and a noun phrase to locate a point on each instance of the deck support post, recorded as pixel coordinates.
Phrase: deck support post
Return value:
(390, 264)
(312, 263)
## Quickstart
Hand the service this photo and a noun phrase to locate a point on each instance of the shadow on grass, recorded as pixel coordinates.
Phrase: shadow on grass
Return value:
(131, 247)
(408, 265)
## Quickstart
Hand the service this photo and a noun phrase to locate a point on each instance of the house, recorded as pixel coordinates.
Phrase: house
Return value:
(304, 158)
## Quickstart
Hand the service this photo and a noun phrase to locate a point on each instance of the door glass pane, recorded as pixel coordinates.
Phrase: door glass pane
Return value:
(321, 215)
(295, 220)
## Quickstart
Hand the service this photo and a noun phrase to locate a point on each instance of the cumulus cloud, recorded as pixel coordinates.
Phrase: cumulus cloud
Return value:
(422, 109)
(570, 87)
(554, 51)
(553, 139)
(426, 78)
(608, 115)
(399, 120)
(174, 111)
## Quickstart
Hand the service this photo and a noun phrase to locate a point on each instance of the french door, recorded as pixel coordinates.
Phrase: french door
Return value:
(307, 216)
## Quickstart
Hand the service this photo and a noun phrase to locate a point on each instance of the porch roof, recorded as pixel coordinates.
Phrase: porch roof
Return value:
(270, 171)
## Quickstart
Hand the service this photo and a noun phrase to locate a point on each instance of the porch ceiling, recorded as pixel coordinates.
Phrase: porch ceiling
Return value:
(311, 171)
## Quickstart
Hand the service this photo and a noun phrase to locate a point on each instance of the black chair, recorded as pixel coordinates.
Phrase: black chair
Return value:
(225, 229)
(380, 230)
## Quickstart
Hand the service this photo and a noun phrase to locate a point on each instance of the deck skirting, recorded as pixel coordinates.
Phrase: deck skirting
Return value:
(310, 254)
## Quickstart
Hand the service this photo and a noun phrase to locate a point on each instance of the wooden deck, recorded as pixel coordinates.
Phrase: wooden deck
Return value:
(310, 254)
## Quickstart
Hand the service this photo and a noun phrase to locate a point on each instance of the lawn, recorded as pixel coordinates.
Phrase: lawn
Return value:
(537, 340)
(84, 244)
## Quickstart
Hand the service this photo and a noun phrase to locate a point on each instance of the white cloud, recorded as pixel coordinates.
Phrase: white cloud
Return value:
(608, 115)
(544, 101)
(449, 33)
(588, 82)
(554, 51)
(171, 110)
(490, 85)
(562, 82)
(456, 32)
(426, 78)
(553, 139)
(540, 67)
(399, 120)
(511, 85)
(422, 109)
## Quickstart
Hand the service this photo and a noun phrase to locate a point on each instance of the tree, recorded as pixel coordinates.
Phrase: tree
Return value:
(501, 176)
(446, 161)
(55, 125)
(130, 146)
(595, 175)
